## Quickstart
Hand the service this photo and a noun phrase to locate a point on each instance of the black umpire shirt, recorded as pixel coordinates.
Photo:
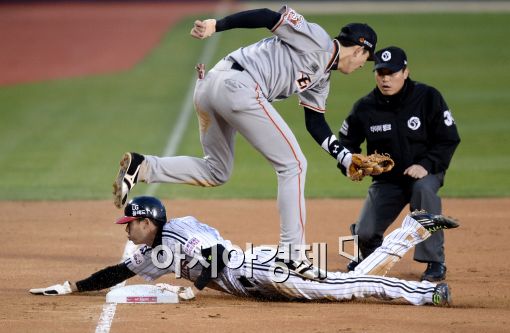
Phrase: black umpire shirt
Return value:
(415, 126)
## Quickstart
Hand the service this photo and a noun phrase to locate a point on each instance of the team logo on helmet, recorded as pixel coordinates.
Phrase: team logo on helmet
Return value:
(386, 56)
(363, 41)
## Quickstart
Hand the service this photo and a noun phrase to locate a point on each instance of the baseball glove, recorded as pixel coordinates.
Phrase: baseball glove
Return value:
(371, 165)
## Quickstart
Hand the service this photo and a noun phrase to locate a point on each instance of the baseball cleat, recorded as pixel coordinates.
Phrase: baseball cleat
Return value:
(433, 222)
(126, 177)
(436, 271)
(442, 295)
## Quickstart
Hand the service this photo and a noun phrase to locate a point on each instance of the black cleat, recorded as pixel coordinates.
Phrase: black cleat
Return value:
(433, 222)
(436, 271)
(352, 265)
(126, 177)
(442, 295)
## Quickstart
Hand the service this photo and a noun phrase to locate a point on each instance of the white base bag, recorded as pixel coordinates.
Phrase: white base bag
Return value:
(149, 294)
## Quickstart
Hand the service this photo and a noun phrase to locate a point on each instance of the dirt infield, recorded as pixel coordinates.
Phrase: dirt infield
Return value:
(49, 242)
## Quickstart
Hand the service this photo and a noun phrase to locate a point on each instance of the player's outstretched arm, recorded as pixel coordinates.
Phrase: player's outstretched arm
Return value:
(105, 278)
(256, 18)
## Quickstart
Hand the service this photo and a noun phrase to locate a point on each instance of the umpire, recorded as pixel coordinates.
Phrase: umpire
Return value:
(411, 122)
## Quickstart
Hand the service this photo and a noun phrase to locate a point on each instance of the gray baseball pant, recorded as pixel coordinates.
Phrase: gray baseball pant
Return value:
(228, 101)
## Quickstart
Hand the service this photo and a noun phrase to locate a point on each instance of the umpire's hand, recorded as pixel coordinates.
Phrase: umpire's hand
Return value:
(416, 171)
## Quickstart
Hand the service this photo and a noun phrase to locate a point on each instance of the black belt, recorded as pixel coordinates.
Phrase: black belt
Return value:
(237, 67)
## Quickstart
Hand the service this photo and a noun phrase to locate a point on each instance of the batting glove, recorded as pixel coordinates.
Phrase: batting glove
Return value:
(185, 293)
(58, 289)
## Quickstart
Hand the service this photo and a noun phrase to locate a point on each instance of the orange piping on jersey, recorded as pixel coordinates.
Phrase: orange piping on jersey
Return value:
(335, 55)
(312, 107)
(281, 19)
(257, 89)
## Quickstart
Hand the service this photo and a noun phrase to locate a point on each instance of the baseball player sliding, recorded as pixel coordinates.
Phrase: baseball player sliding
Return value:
(236, 96)
(217, 265)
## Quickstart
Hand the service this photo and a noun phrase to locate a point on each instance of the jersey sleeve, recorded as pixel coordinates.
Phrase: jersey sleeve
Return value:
(315, 98)
(443, 133)
(141, 263)
(295, 30)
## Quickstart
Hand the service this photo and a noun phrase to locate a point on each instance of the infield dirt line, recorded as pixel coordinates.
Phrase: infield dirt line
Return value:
(107, 315)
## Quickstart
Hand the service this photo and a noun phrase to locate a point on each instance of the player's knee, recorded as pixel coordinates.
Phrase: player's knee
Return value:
(295, 168)
(423, 190)
(219, 177)
(219, 171)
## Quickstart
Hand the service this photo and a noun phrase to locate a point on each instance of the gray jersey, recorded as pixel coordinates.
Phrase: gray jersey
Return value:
(296, 60)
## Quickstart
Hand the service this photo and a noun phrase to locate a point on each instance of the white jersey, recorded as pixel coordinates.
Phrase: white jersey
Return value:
(296, 60)
(254, 277)
(185, 236)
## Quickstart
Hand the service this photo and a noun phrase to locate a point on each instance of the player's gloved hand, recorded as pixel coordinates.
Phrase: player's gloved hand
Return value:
(58, 289)
(185, 293)
(203, 29)
(371, 165)
(346, 159)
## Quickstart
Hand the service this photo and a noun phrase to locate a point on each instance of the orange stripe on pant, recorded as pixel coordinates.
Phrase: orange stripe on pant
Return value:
(295, 156)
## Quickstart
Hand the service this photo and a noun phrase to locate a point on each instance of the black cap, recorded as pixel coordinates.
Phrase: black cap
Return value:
(144, 207)
(360, 34)
(392, 58)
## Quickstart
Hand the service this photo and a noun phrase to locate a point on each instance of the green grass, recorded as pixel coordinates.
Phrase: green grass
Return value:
(63, 139)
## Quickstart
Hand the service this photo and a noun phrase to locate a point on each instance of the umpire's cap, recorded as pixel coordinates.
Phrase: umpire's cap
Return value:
(144, 207)
(392, 58)
(360, 34)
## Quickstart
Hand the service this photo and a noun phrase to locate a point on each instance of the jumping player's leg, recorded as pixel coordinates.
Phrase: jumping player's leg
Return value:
(246, 110)
(217, 138)
(393, 248)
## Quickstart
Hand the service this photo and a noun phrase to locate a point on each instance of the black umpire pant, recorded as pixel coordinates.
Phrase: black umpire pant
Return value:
(385, 201)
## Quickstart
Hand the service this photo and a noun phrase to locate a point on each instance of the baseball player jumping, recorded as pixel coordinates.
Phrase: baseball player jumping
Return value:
(198, 243)
(236, 96)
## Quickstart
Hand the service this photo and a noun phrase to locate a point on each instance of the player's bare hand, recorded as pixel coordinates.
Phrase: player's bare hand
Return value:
(416, 171)
(203, 29)
(57, 289)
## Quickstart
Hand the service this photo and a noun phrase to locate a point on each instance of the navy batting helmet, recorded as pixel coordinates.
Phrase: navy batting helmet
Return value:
(144, 207)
